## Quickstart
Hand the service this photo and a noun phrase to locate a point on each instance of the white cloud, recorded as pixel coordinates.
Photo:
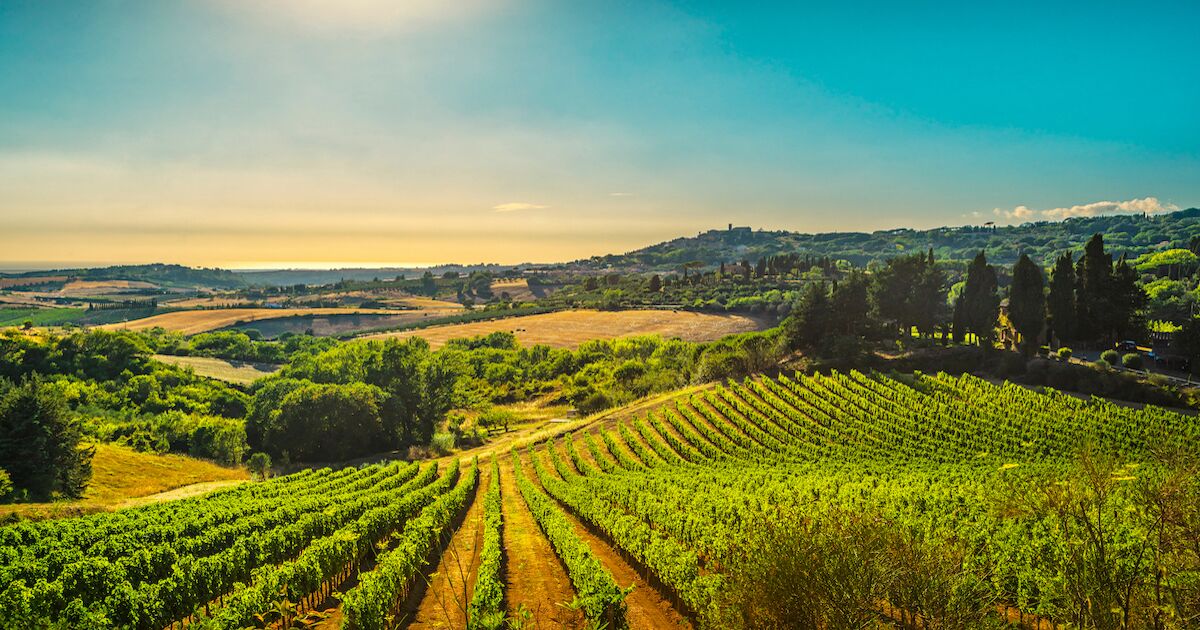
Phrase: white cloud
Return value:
(1148, 205)
(516, 206)
(621, 194)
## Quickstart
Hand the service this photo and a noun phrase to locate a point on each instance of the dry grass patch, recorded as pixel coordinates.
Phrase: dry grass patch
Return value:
(568, 329)
(194, 322)
(93, 288)
(237, 372)
(122, 477)
(517, 289)
(7, 283)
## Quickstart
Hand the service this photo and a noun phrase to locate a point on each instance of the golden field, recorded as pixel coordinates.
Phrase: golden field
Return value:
(122, 477)
(568, 329)
(237, 372)
(193, 322)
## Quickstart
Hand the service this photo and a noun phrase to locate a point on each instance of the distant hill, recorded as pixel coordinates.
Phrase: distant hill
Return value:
(158, 273)
(1043, 241)
(285, 277)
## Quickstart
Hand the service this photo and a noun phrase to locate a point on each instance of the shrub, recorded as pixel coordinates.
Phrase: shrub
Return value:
(1132, 361)
(1012, 364)
(1064, 354)
(5, 484)
(1043, 351)
(1110, 357)
(442, 443)
(259, 465)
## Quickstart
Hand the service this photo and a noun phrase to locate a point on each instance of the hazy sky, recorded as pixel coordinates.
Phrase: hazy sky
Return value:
(260, 132)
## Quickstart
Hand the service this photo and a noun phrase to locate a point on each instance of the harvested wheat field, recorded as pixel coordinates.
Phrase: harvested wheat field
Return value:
(568, 329)
(93, 288)
(237, 372)
(517, 289)
(193, 322)
(208, 301)
(8, 283)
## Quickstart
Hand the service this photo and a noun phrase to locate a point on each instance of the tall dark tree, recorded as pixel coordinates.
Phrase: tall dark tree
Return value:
(928, 297)
(851, 306)
(1027, 304)
(980, 302)
(655, 284)
(39, 442)
(1187, 341)
(958, 322)
(810, 321)
(1126, 298)
(910, 291)
(1060, 303)
(1093, 286)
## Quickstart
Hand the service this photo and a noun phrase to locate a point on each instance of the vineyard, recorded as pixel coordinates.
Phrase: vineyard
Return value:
(846, 500)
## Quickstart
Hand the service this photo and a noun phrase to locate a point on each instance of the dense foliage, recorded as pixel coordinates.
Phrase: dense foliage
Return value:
(1134, 235)
(39, 443)
(109, 385)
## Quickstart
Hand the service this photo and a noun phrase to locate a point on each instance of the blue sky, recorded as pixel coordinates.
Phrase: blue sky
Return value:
(261, 132)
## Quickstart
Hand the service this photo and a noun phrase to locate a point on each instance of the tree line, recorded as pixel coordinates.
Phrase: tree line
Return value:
(1093, 301)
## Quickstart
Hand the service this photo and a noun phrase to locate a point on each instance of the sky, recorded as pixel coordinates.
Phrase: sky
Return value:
(267, 133)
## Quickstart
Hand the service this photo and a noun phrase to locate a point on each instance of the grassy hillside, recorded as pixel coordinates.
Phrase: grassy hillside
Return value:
(156, 273)
(64, 316)
(237, 372)
(122, 475)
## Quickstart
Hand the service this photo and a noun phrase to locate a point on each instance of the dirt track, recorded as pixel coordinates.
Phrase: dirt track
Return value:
(453, 581)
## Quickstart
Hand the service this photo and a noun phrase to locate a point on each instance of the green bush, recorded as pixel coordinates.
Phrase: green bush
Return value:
(1064, 354)
(1110, 357)
(1132, 361)
(5, 484)
(442, 443)
(260, 465)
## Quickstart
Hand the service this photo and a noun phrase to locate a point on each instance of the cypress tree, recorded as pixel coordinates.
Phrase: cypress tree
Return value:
(1027, 303)
(981, 304)
(1093, 280)
(1060, 304)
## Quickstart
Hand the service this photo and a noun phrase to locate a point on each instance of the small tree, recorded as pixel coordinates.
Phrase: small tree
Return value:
(495, 419)
(1132, 361)
(260, 465)
(6, 486)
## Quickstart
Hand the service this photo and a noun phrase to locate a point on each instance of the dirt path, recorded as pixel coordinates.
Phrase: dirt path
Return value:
(453, 581)
(180, 493)
(536, 583)
(648, 608)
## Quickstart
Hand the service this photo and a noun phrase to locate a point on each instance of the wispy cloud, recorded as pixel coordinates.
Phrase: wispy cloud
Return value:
(517, 206)
(621, 194)
(1148, 205)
